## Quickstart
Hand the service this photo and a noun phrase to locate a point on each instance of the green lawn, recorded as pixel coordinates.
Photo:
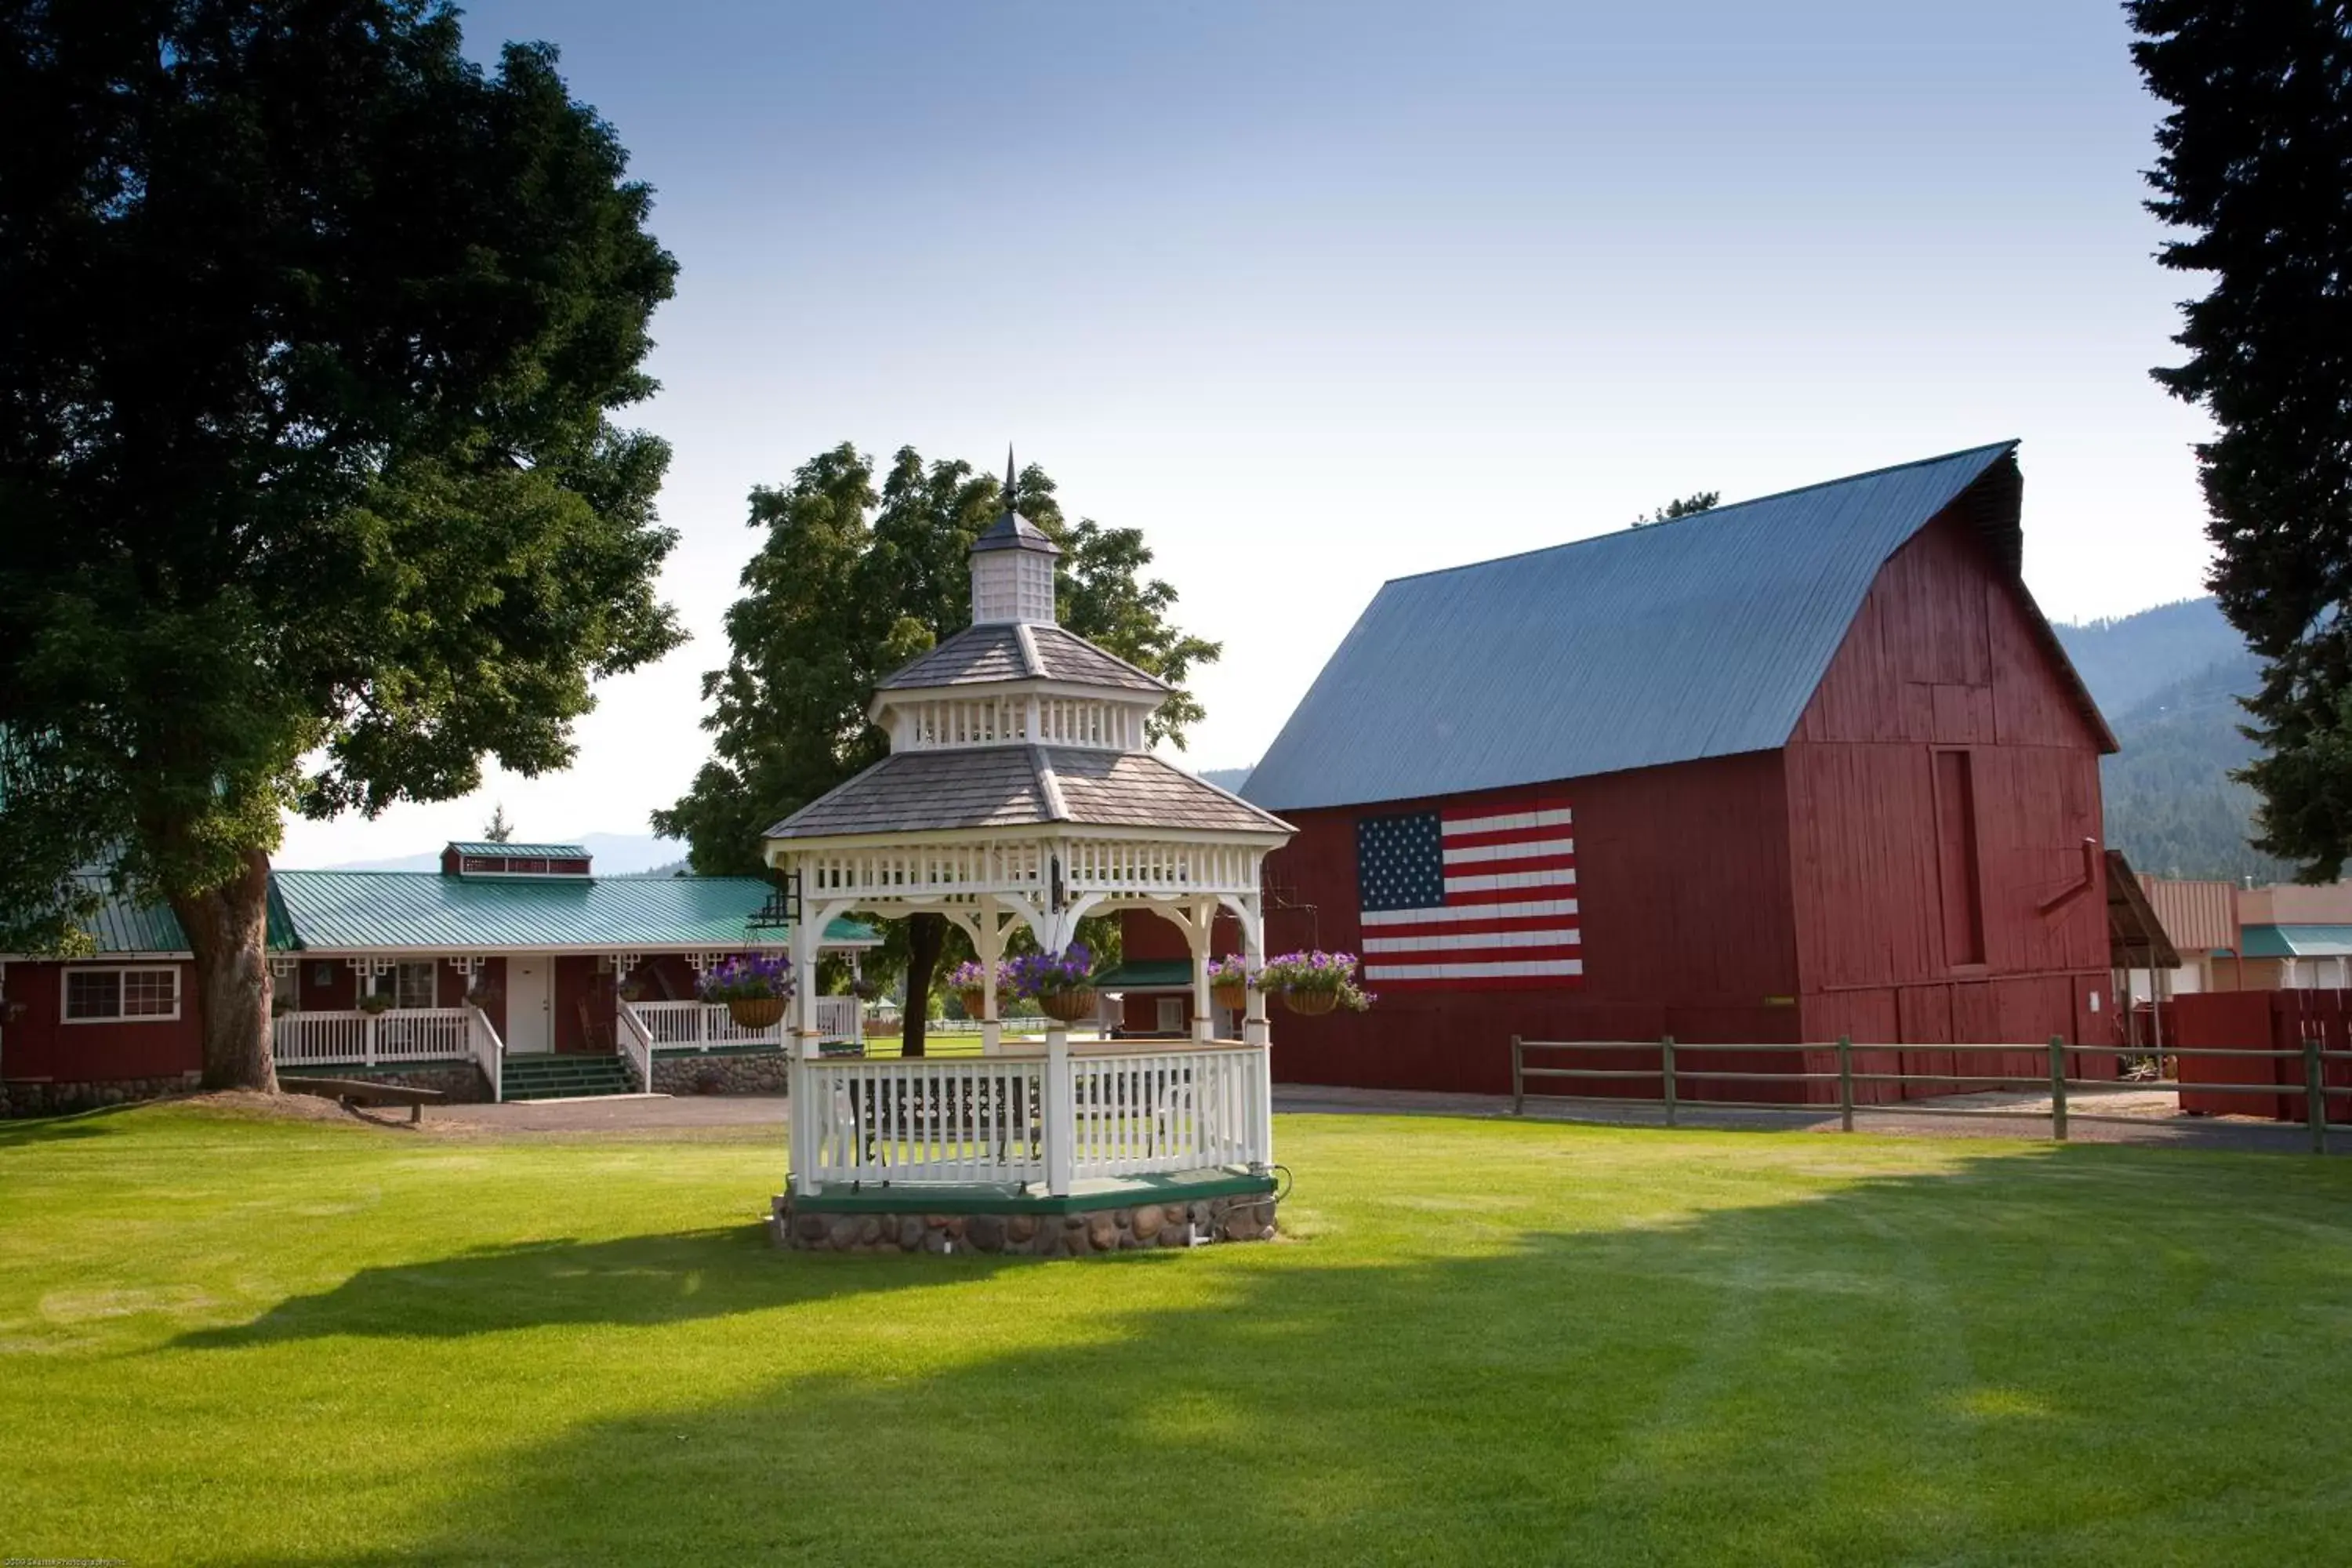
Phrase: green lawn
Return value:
(261, 1342)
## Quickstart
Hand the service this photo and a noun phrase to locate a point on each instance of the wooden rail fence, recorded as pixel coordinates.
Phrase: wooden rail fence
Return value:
(1672, 1077)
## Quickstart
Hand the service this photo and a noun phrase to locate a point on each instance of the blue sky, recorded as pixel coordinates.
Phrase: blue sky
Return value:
(1317, 295)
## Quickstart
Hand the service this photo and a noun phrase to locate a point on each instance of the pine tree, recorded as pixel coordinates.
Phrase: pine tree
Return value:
(2257, 163)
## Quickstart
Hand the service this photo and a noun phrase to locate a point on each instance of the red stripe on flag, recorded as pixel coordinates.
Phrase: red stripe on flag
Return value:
(1520, 895)
(1453, 840)
(1482, 983)
(1519, 863)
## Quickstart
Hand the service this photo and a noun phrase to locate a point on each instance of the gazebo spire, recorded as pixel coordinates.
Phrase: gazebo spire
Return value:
(1012, 484)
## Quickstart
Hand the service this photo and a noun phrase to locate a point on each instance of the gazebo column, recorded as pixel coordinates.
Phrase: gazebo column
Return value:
(1252, 921)
(807, 1040)
(1200, 935)
(988, 942)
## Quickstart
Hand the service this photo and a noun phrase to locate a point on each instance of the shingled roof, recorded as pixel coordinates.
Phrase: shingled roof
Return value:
(1702, 637)
(1008, 786)
(998, 651)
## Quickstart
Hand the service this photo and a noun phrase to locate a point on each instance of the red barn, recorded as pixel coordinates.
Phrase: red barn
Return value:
(1799, 767)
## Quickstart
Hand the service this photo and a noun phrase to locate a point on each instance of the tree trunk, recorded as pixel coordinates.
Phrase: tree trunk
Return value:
(228, 930)
(927, 936)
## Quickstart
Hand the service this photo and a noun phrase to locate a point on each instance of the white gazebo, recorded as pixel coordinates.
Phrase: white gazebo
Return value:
(1019, 790)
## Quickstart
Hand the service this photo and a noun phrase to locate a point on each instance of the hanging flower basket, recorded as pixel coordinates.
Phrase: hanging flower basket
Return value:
(1069, 1007)
(968, 981)
(1229, 983)
(755, 1012)
(755, 990)
(1060, 984)
(1315, 983)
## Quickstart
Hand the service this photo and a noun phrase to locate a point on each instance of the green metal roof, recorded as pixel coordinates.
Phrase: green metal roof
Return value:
(124, 925)
(340, 911)
(2296, 941)
(1147, 974)
(526, 852)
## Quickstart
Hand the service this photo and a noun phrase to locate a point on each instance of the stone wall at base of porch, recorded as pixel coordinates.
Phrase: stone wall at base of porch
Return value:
(462, 1081)
(29, 1097)
(1097, 1233)
(721, 1072)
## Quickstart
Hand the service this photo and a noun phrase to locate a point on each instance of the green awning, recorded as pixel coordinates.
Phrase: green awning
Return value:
(2296, 941)
(1147, 974)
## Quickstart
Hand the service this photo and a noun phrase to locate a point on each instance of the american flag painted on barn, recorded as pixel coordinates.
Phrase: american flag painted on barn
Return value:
(1471, 896)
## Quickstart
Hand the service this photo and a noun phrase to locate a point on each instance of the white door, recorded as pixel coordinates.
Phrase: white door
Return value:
(528, 1003)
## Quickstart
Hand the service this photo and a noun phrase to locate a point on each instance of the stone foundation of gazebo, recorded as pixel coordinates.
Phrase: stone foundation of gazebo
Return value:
(1116, 1217)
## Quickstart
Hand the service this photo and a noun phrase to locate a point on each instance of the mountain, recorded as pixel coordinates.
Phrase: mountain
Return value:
(613, 855)
(2129, 659)
(2168, 681)
(1227, 778)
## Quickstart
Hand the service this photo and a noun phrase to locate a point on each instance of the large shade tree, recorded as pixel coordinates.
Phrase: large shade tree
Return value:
(311, 335)
(2256, 164)
(850, 583)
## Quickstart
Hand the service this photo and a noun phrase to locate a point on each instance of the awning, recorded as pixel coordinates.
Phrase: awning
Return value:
(2136, 937)
(1147, 974)
(2296, 941)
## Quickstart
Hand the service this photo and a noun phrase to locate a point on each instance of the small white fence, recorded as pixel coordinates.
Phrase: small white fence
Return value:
(1057, 1116)
(370, 1040)
(699, 1026)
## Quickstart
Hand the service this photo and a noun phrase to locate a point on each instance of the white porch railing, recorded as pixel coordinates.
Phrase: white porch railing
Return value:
(396, 1035)
(699, 1025)
(637, 1047)
(1054, 1117)
(489, 1053)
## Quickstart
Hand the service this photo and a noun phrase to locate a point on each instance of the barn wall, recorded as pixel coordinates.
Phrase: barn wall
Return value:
(1686, 928)
(1892, 946)
(39, 1045)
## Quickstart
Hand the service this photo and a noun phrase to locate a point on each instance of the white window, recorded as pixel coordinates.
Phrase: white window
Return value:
(408, 983)
(1171, 1014)
(99, 996)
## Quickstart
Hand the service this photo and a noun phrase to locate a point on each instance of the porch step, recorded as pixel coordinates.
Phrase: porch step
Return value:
(560, 1076)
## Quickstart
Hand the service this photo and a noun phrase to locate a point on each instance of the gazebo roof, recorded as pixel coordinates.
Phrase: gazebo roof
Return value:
(1000, 651)
(1013, 531)
(1021, 786)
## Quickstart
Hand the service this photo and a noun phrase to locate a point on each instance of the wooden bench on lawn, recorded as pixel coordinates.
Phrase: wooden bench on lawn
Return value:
(351, 1091)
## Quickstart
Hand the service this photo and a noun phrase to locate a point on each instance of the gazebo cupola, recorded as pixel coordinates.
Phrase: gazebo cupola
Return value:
(1013, 567)
(1021, 788)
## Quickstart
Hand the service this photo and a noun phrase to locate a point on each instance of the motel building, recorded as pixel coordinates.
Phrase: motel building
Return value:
(513, 971)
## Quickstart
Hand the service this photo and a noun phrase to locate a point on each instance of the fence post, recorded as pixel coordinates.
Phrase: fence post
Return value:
(1061, 1112)
(1845, 1083)
(1667, 1073)
(1519, 1080)
(2058, 1088)
(2314, 1096)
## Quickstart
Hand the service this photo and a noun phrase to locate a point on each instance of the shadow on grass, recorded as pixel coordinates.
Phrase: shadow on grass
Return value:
(93, 1123)
(1946, 1368)
(638, 1281)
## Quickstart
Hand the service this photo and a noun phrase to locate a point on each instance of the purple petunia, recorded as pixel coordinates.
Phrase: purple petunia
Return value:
(748, 977)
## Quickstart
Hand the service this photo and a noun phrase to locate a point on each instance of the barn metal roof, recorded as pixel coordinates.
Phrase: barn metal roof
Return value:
(343, 910)
(1700, 637)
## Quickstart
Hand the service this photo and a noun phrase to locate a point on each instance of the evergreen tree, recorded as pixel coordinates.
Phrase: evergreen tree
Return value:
(849, 584)
(313, 329)
(2257, 163)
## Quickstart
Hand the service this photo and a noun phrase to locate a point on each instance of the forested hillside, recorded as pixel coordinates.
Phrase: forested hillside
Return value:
(2168, 679)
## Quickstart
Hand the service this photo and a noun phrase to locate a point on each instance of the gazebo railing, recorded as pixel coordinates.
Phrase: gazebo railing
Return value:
(1048, 1119)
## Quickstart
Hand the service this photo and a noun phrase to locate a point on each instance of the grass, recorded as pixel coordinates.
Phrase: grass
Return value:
(225, 1341)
